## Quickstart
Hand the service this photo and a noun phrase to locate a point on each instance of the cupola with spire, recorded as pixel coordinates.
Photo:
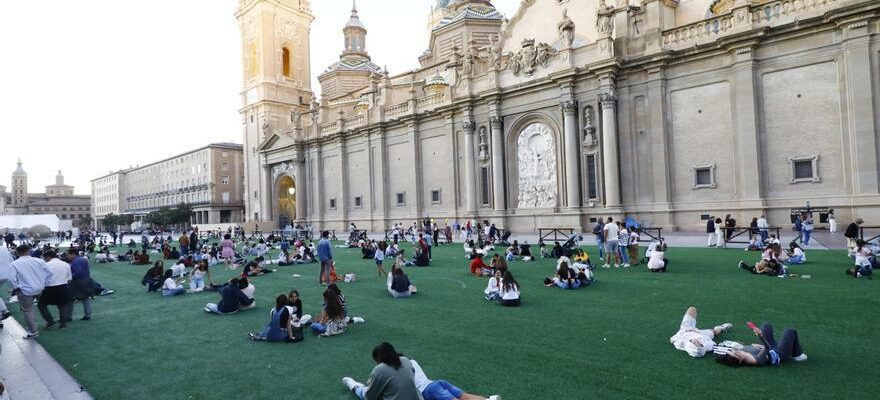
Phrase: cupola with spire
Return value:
(354, 68)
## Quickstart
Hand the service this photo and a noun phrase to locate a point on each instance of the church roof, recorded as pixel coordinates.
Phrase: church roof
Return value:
(471, 11)
(19, 170)
(353, 64)
(354, 21)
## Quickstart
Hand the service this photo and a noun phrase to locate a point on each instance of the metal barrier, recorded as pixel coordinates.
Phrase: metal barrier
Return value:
(557, 233)
(739, 231)
(650, 234)
(872, 238)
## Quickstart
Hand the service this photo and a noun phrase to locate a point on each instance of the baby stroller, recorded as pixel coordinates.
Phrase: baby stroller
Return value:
(357, 235)
(571, 245)
(505, 238)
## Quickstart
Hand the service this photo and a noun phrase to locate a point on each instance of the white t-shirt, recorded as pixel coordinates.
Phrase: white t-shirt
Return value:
(656, 260)
(61, 274)
(169, 284)
(798, 252)
(249, 291)
(494, 285)
(511, 294)
(611, 230)
(5, 261)
(688, 334)
(419, 378)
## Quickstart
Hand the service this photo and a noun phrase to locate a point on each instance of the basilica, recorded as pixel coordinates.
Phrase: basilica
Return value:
(667, 111)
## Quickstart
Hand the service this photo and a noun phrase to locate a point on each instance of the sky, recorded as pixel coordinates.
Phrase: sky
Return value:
(93, 86)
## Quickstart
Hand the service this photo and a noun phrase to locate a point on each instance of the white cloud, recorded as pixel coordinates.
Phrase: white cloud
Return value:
(92, 86)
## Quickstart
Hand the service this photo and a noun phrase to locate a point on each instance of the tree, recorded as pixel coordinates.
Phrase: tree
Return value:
(110, 221)
(85, 222)
(126, 220)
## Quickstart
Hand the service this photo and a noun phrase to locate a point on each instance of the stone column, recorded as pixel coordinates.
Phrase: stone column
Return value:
(860, 102)
(746, 127)
(659, 143)
(299, 183)
(497, 134)
(415, 140)
(470, 166)
(266, 195)
(572, 149)
(611, 164)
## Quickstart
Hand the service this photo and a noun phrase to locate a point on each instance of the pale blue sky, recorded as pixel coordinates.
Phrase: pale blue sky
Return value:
(97, 85)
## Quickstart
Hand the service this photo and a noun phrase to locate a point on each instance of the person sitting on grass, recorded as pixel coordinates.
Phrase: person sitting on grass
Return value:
(769, 264)
(493, 288)
(153, 279)
(479, 268)
(510, 296)
(179, 269)
(198, 275)
(284, 259)
(296, 308)
(796, 254)
(399, 285)
(768, 352)
(498, 263)
(282, 327)
(568, 278)
(863, 265)
(657, 261)
(141, 259)
(393, 377)
(581, 260)
(557, 250)
(253, 268)
(332, 320)
(232, 299)
(171, 286)
(692, 340)
(525, 251)
(430, 390)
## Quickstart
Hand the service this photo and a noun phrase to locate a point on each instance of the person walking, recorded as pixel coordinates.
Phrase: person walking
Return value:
(81, 285)
(763, 228)
(325, 255)
(57, 291)
(29, 276)
(5, 276)
(710, 230)
(806, 228)
(832, 221)
(852, 233)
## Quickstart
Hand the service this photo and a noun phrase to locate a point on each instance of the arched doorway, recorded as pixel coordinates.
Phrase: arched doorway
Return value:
(286, 201)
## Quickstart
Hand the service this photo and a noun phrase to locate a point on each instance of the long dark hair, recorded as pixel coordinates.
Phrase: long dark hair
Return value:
(168, 274)
(280, 301)
(333, 305)
(386, 354)
(509, 281)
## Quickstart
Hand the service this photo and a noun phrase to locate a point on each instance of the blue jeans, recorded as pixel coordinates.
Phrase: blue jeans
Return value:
(787, 347)
(806, 237)
(601, 244)
(624, 254)
(173, 292)
(442, 390)
(796, 260)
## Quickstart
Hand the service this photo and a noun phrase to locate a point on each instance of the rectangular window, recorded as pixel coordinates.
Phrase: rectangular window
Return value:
(358, 202)
(484, 186)
(401, 199)
(225, 197)
(224, 166)
(704, 176)
(332, 204)
(804, 169)
(435, 196)
(592, 179)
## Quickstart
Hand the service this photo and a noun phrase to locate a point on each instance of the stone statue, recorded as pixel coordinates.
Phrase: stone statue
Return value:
(267, 129)
(544, 53)
(491, 53)
(484, 147)
(530, 57)
(604, 19)
(566, 30)
(589, 126)
(468, 63)
(296, 118)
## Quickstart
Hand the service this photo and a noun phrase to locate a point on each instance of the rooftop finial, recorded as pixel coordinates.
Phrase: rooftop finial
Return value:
(354, 9)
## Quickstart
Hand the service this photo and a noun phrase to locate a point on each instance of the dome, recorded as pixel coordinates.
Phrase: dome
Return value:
(19, 170)
(354, 21)
(472, 10)
(435, 84)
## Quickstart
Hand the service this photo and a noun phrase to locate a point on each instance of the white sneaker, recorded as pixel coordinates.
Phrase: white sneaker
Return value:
(494, 397)
(626, 265)
(725, 327)
(616, 265)
(349, 383)
(606, 266)
(357, 320)
(800, 358)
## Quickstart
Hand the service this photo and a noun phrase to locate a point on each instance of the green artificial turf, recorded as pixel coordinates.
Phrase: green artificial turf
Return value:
(610, 340)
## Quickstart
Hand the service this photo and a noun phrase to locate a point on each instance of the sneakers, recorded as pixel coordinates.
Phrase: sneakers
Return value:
(251, 336)
(49, 325)
(724, 327)
(616, 265)
(6, 314)
(358, 320)
(85, 319)
(742, 264)
(606, 266)
(207, 310)
(32, 335)
(800, 358)
(106, 292)
(494, 397)
(626, 265)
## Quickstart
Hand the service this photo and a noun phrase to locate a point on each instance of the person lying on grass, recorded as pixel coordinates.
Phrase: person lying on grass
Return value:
(253, 268)
(770, 263)
(231, 299)
(568, 278)
(282, 327)
(398, 284)
(393, 377)
(768, 352)
(430, 390)
(692, 340)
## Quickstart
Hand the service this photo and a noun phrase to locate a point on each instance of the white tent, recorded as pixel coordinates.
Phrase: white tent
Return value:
(19, 223)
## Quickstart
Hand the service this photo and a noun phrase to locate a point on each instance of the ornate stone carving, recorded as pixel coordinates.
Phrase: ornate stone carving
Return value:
(530, 57)
(267, 129)
(491, 53)
(484, 146)
(566, 30)
(469, 126)
(283, 169)
(608, 100)
(604, 19)
(536, 161)
(568, 106)
(495, 121)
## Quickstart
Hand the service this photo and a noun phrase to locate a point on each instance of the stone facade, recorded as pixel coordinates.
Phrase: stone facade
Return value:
(665, 111)
(58, 199)
(210, 179)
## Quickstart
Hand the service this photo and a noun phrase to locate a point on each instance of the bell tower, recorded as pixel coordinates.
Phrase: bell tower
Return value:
(276, 80)
(19, 195)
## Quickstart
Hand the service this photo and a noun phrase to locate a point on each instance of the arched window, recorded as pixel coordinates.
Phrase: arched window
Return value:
(285, 60)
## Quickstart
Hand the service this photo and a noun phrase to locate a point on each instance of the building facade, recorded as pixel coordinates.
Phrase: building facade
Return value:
(210, 179)
(58, 199)
(570, 110)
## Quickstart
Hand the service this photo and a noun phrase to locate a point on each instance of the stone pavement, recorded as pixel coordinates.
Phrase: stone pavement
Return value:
(29, 372)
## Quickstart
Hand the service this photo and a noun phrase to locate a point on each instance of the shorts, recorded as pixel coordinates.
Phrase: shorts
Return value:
(442, 390)
(689, 324)
(379, 263)
(611, 246)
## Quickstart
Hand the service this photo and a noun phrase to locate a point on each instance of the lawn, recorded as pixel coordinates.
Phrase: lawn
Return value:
(610, 340)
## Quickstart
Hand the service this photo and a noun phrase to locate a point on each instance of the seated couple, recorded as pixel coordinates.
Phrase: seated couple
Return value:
(657, 261)
(236, 295)
(770, 264)
(397, 377)
(334, 316)
(503, 289)
(286, 320)
(569, 278)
